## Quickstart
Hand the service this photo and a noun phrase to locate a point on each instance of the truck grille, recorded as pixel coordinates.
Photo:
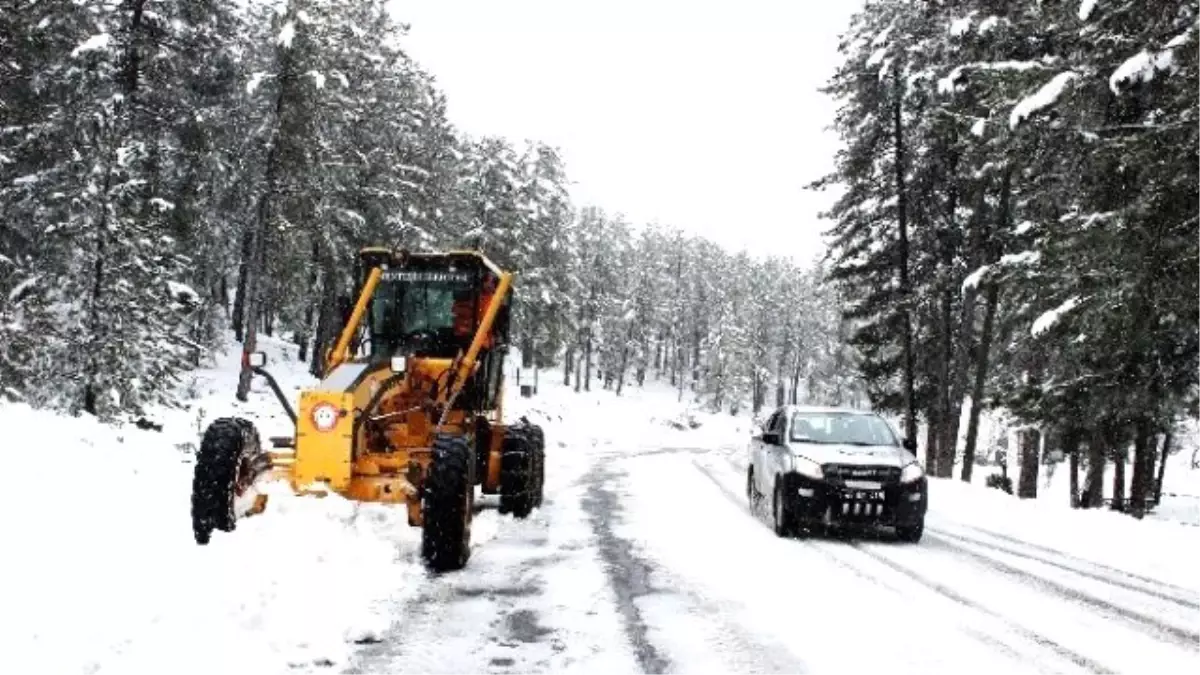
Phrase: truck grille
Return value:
(840, 473)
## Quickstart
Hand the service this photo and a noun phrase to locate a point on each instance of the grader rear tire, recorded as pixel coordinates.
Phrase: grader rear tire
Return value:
(517, 471)
(539, 464)
(225, 467)
(449, 502)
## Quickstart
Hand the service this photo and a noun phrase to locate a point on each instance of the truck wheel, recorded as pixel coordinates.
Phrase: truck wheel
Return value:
(448, 503)
(781, 516)
(517, 472)
(229, 459)
(911, 534)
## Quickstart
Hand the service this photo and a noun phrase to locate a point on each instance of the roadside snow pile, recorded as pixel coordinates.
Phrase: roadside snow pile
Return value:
(102, 574)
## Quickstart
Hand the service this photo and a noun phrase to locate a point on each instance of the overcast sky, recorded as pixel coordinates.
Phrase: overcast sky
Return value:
(702, 115)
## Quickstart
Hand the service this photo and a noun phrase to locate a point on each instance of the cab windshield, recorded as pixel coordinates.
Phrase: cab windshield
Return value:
(427, 312)
(841, 428)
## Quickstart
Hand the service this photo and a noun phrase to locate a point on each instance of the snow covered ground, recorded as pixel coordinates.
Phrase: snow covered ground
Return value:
(644, 558)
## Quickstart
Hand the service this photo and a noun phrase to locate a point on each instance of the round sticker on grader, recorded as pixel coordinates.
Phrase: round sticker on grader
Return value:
(421, 394)
(324, 416)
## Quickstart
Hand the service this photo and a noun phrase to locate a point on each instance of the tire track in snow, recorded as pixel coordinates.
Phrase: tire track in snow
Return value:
(1033, 636)
(1148, 624)
(1116, 576)
(486, 615)
(730, 644)
(601, 505)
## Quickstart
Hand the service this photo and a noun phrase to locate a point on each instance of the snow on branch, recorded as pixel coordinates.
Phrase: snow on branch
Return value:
(973, 279)
(94, 43)
(1047, 320)
(1141, 67)
(287, 35)
(1022, 258)
(1043, 98)
(1086, 8)
(949, 83)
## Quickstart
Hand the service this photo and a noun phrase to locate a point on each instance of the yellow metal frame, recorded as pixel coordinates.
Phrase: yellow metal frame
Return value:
(341, 350)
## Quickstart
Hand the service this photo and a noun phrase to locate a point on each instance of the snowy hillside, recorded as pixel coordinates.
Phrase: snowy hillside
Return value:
(644, 556)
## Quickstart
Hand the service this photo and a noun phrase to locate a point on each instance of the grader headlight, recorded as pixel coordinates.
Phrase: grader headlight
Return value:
(324, 416)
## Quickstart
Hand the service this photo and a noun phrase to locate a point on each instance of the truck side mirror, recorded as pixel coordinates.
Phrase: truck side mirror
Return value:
(910, 445)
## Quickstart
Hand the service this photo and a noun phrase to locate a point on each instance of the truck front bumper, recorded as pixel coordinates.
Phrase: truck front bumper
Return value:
(819, 502)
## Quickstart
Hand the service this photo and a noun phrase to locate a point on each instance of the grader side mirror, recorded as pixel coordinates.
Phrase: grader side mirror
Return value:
(256, 359)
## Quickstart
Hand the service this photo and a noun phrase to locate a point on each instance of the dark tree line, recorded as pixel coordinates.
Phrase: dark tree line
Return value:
(172, 169)
(1018, 227)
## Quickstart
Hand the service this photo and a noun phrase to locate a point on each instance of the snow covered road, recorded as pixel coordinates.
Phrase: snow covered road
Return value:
(650, 561)
(643, 558)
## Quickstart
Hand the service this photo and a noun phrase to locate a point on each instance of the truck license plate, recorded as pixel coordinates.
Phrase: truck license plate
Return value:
(864, 485)
(865, 495)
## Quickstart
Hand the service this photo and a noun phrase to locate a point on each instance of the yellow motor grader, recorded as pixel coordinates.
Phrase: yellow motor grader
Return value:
(408, 410)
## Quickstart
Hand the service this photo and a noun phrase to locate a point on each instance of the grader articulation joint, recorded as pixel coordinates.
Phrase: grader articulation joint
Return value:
(409, 410)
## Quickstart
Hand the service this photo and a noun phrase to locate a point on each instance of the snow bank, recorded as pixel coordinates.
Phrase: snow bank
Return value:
(102, 574)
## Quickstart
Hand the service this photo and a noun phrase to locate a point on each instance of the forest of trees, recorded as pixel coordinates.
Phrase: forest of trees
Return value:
(1018, 226)
(175, 169)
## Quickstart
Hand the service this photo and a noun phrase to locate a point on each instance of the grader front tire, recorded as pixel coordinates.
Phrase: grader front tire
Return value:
(224, 469)
(448, 505)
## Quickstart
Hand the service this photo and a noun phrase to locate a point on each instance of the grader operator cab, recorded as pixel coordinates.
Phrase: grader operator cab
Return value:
(408, 410)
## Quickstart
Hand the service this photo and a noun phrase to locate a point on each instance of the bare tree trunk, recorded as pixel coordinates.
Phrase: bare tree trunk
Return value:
(329, 324)
(1162, 466)
(1093, 488)
(679, 370)
(1072, 436)
(910, 403)
(624, 359)
(930, 447)
(91, 385)
(991, 297)
(966, 329)
(579, 374)
(306, 333)
(1118, 486)
(1029, 440)
(239, 296)
(1143, 466)
(587, 363)
(568, 361)
(250, 344)
(1117, 443)
(946, 426)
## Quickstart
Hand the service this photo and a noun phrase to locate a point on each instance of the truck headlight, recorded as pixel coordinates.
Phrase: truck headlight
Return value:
(911, 473)
(806, 467)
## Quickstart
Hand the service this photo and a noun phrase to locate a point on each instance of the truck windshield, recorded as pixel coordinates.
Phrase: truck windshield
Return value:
(416, 311)
(841, 428)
